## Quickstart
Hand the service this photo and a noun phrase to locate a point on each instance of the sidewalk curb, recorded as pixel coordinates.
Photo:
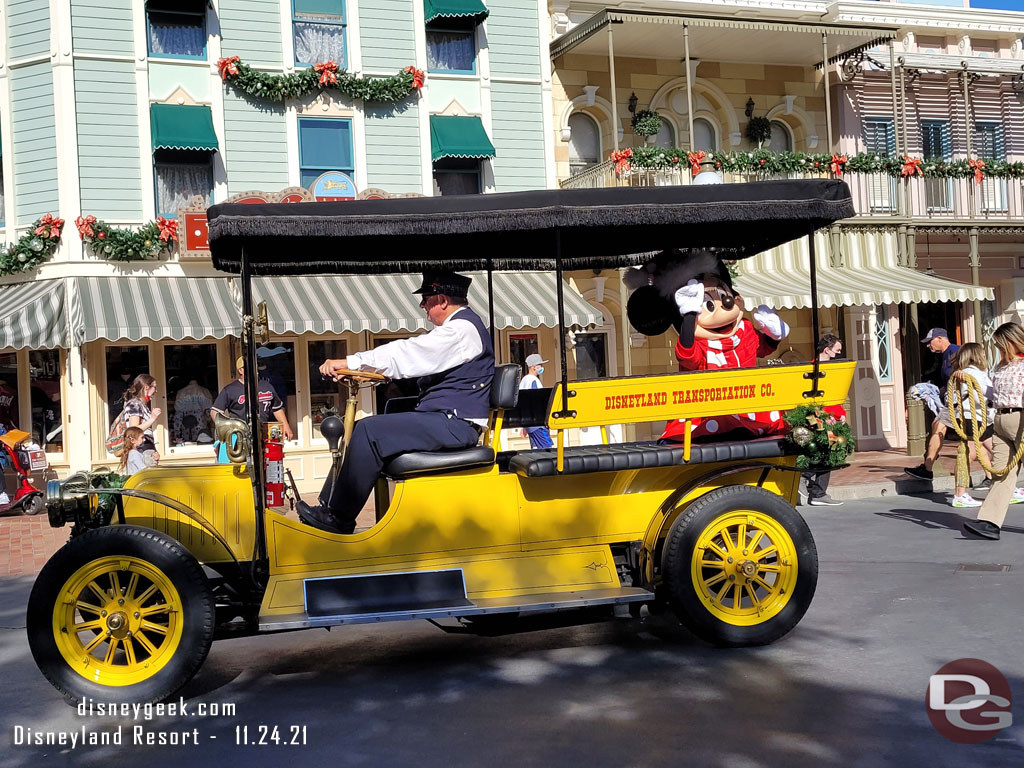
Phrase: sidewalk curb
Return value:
(907, 486)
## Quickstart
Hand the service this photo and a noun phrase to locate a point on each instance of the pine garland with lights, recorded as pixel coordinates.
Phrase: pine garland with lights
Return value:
(33, 248)
(123, 244)
(823, 440)
(268, 87)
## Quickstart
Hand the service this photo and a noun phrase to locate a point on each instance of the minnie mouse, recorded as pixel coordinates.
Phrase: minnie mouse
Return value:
(697, 297)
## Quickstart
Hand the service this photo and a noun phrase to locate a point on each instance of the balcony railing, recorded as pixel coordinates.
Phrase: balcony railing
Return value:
(875, 195)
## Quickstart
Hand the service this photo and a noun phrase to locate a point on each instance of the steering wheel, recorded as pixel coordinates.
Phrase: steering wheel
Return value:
(371, 377)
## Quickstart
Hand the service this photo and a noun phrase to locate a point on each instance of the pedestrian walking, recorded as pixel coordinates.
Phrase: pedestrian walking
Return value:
(937, 341)
(829, 348)
(970, 362)
(1008, 399)
(137, 411)
(131, 457)
(539, 436)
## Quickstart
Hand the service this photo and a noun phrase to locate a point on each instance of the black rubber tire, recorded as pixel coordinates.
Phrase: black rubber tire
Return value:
(35, 505)
(690, 607)
(160, 551)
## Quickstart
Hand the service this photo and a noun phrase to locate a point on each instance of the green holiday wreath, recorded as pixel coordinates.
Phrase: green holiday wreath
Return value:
(646, 123)
(822, 439)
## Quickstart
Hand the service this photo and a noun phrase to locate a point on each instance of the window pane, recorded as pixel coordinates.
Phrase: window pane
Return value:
(276, 363)
(191, 371)
(317, 42)
(177, 34)
(457, 183)
(666, 137)
(325, 144)
(780, 140)
(450, 51)
(176, 184)
(519, 346)
(9, 415)
(44, 383)
(704, 136)
(123, 365)
(880, 137)
(591, 356)
(325, 394)
(584, 142)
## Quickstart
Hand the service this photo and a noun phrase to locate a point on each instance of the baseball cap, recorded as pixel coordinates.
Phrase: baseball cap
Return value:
(532, 360)
(933, 333)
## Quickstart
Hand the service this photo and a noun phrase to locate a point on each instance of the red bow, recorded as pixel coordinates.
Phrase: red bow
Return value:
(838, 163)
(417, 76)
(911, 167)
(695, 158)
(84, 224)
(621, 160)
(49, 226)
(327, 72)
(168, 228)
(976, 166)
(227, 66)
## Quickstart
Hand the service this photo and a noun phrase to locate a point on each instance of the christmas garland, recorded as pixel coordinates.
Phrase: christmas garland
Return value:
(32, 248)
(121, 244)
(768, 163)
(264, 86)
(823, 440)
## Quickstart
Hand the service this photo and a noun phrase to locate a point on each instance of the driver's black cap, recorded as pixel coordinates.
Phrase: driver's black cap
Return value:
(451, 284)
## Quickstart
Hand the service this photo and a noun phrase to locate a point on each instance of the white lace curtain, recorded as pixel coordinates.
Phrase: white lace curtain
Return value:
(450, 51)
(177, 184)
(176, 35)
(315, 42)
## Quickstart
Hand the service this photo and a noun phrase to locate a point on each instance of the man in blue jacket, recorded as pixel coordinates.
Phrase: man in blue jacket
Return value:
(454, 363)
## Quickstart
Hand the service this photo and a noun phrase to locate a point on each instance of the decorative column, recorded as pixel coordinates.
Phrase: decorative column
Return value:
(689, 83)
(900, 211)
(828, 96)
(975, 260)
(615, 100)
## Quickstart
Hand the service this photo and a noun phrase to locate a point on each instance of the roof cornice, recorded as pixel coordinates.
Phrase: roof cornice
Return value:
(930, 17)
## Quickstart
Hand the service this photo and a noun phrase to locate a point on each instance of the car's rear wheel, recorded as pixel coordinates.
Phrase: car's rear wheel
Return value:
(740, 566)
(120, 613)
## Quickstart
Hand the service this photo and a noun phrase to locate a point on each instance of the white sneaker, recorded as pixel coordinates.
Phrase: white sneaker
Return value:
(4, 500)
(966, 500)
(1018, 496)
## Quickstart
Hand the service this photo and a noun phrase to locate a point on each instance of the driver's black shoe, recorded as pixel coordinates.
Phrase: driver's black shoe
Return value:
(982, 528)
(321, 518)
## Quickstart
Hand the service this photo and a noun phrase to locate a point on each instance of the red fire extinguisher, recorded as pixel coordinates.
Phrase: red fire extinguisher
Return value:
(273, 454)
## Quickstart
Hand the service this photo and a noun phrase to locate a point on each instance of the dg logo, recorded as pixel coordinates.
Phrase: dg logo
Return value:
(968, 701)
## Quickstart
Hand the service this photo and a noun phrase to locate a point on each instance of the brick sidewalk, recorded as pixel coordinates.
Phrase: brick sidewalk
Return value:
(26, 543)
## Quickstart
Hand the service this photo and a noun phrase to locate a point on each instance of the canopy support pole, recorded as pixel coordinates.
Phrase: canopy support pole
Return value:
(561, 328)
(490, 305)
(828, 104)
(252, 407)
(895, 117)
(615, 101)
(689, 84)
(816, 374)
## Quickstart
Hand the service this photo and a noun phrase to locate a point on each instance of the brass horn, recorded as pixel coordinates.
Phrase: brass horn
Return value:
(234, 433)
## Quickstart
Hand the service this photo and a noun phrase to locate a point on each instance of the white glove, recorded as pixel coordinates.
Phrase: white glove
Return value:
(690, 298)
(770, 323)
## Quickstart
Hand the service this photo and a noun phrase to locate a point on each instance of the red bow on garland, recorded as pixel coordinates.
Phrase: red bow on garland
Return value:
(227, 66)
(327, 71)
(417, 76)
(977, 166)
(621, 160)
(695, 158)
(84, 224)
(168, 228)
(49, 226)
(911, 167)
(838, 164)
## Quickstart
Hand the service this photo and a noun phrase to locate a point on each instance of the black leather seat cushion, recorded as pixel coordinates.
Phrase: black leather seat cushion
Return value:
(620, 456)
(437, 462)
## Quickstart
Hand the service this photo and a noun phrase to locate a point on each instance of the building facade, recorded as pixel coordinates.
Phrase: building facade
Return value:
(118, 109)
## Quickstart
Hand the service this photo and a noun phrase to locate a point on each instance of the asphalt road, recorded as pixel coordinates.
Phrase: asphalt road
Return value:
(845, 688)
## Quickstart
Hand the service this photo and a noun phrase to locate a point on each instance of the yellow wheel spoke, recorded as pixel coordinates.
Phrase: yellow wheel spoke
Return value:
(111, 648)
(755, 540)
(724, 533)
(718, 548)
(761, 554)
(736, 595)
(147, 594)
(133, 582)
(94, 642)
(155, 609)
(115, 584)
(762, 582)
(712, 564)
(753, 597)
(144, 642)
(88, 607)
(149, 626)
(129, 652)
(721, 593)
(85, 626)
(741, 537)
(99, 592)
(714, 579)
(770, 568)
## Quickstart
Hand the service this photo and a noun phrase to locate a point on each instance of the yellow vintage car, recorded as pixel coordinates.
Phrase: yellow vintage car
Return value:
(154, 571)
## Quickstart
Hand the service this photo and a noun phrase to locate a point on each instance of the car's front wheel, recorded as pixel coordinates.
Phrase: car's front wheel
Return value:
(120, 613)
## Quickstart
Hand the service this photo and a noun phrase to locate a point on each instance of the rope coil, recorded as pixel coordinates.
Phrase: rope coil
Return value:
(955, 403)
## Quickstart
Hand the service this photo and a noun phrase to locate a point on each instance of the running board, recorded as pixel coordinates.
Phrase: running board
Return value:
(460, 606)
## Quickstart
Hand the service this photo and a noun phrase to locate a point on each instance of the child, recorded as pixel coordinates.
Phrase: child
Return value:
(131, 457)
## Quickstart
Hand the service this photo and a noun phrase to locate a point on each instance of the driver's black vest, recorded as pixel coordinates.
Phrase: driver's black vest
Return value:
(465, 389)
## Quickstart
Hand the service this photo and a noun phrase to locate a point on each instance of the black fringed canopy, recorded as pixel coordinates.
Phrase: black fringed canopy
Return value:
(598, 228)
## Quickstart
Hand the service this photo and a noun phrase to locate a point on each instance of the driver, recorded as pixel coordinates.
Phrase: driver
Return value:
(454, 363)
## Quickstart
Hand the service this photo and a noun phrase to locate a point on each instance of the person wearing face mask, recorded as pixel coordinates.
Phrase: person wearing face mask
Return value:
(539, 436)
(829, 348)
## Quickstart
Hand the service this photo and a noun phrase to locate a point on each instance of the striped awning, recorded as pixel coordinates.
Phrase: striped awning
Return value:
(337, 303)
(781, 279)
(34, 315)
(145, 307)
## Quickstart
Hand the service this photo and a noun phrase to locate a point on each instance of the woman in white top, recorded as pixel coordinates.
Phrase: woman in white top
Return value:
(970, 361)
(1008, 399)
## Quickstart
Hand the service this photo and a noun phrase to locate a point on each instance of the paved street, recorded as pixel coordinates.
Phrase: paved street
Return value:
(846, 688)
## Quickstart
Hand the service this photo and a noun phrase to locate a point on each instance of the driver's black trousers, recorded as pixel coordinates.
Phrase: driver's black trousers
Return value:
(375, 441)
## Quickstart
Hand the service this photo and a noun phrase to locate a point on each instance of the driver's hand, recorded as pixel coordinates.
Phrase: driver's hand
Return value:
(330, 368)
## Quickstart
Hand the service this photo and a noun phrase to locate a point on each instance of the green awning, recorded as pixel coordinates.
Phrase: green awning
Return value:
(319, 7)
(458, 137)
(176, 126)
(473, 10)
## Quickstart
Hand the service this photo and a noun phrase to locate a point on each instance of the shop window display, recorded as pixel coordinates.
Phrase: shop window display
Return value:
(9, 414)
(123, 365)
(191, 371)
(325, 395)
(520, 345)
(44, 384)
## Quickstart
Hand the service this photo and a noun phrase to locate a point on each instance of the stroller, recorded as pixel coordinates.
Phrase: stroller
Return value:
(25, 457)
